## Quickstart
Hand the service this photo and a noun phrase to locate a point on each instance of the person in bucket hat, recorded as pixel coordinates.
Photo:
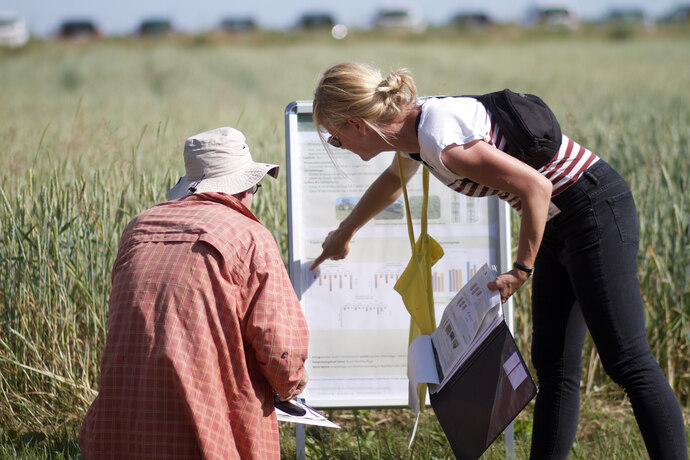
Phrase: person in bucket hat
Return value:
(219, 161)
(204, 326)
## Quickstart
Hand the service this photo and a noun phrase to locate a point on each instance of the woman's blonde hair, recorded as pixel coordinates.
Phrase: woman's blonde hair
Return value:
(353, 89)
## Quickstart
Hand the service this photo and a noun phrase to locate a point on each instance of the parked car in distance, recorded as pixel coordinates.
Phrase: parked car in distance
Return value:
(627, 18)
(78, 29)
(680, 15)
(315, 21)
(155, 27)
(237, 24)
(13, 30)
(471, 21)
(401, 18)
(552, 17)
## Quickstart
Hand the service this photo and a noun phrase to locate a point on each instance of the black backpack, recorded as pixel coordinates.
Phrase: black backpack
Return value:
(528, 124)
(531, 129)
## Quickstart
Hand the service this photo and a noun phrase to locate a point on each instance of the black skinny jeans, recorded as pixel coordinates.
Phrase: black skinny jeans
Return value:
(585, 277)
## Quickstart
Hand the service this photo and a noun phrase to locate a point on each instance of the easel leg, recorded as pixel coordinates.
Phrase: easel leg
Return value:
(509, 434)
(299, 441)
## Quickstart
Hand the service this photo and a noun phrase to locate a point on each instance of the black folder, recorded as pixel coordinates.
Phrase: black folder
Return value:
(484, 395)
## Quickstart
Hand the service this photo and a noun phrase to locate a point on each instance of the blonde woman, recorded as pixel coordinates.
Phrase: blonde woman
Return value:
(578, 235)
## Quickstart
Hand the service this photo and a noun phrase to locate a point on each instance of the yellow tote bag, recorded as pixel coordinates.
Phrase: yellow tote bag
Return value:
(415, 283)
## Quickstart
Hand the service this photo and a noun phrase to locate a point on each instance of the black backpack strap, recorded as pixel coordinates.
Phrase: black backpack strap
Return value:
(417, 156)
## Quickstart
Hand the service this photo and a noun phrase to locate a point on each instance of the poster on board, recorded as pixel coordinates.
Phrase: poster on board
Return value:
(358, 324)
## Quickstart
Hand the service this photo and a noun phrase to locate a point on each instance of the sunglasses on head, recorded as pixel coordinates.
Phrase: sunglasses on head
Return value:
(255, 189)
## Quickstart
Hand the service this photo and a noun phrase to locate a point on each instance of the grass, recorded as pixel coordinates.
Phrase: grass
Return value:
(93, 134)
(384, 434)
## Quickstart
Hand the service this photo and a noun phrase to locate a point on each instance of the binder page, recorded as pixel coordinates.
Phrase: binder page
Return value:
(466, 320)
(421, 368)
(420, 361)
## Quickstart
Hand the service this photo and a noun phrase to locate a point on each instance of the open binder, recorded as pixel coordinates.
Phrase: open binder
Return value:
(477, 379)
(484, 395)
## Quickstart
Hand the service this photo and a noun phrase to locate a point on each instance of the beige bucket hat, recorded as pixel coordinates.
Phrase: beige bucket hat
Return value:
(219, 161)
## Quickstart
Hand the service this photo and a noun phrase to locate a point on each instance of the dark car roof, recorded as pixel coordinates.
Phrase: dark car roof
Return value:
(155, 27)
(78, 27)
(316, 21)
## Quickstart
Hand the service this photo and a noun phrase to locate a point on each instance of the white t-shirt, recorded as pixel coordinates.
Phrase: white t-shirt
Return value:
(451, 121)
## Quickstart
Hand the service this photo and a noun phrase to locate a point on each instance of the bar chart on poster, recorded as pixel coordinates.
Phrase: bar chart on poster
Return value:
(359, 326)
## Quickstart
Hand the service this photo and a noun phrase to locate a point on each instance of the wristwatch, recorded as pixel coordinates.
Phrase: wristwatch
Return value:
(521, 267)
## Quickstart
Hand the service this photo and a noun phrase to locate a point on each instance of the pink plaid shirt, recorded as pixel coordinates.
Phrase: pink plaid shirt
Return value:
(203, 327)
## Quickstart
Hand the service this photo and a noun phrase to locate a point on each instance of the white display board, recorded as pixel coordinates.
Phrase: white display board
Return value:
(358, 324)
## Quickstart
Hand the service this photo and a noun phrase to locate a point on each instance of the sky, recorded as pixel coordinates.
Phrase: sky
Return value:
(123, 16)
